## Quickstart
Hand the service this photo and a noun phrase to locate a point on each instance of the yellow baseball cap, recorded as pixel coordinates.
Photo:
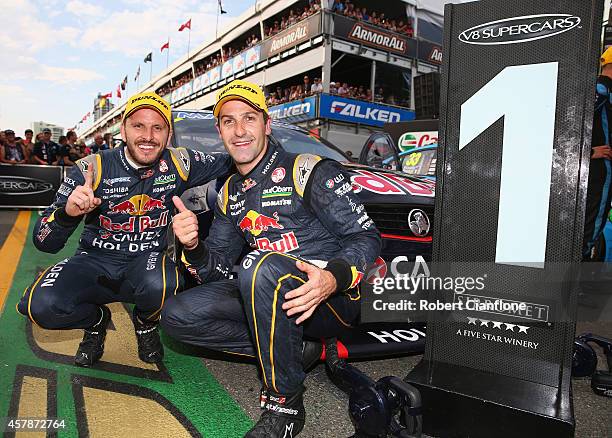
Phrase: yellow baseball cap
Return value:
(606, 57)
(148, 100)
(241, 90)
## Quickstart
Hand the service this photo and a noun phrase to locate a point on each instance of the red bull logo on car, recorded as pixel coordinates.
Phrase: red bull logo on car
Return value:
(256, 223)
(137, 205)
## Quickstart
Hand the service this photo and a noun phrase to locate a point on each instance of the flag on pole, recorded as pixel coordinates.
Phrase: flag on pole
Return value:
(119, 91)
(138, 73)
(107, 96)
(186, 25)
(124, 83)
(165, 46)
(221, 8)
(149, 57)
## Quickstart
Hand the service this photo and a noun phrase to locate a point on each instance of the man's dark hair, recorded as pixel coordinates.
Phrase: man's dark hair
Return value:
(62, 139)
(29, 131)
(70, 134)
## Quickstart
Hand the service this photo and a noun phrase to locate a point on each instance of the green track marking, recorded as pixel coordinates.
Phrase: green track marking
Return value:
(194, 392)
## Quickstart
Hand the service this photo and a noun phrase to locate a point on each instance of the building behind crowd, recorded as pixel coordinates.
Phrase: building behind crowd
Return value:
(102, 106)
(276, 43)
(56, 131)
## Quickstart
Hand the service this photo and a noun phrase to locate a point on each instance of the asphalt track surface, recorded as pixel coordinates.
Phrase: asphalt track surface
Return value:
(195, 393)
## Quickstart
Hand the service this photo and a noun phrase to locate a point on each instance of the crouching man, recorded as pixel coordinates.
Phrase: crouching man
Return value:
(125, 197)
(312, 238)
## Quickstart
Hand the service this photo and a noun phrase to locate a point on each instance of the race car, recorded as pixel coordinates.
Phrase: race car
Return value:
(410, 147)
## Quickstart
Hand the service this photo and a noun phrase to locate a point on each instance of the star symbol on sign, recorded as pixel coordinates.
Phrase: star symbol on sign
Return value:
(471, 320)
(484, 322)
(510, 326)
(497, 324)
(522, 329)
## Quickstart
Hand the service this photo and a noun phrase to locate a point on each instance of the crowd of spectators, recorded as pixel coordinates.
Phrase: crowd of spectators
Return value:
(279, 95)
(293, 17)
(42, 150)
(347, 8)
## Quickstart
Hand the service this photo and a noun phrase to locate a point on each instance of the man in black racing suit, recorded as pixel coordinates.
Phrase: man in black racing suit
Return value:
(312, 238)
(125, 195)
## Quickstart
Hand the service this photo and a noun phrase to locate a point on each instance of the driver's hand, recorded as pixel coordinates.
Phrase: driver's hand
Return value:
(185, 225)
(82, 200)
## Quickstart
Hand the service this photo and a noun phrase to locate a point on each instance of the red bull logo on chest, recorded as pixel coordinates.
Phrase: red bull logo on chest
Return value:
(137, 205)
(256, 223)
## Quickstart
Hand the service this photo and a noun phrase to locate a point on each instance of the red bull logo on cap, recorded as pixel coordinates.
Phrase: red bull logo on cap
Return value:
(137, 205)
(256, 222)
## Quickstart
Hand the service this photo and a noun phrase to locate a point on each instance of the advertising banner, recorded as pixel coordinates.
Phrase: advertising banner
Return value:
(298, 110)
(197, 83)
(429, 52)
(374, 36)
(226, 69)
(215, 75)
(292, 36)
(252, 55)
(238, 63)
(28, 186)
(205, 80)
(359, 111)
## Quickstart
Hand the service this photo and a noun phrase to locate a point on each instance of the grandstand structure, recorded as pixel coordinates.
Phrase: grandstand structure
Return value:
(336, 48)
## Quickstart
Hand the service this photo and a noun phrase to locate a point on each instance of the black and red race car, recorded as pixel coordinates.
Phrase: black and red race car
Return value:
(401, 206)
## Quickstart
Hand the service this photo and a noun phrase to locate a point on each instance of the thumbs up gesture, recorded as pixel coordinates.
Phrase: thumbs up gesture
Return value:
(185, 225)
(82, 200)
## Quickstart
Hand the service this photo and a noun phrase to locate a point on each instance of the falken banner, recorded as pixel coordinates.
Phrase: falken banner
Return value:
(359, 111)
(298, 110)
(294, 35)
(28, 186)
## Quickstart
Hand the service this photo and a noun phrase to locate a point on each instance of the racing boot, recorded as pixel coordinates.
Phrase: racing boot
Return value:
(91, 347)
(150, 348)
(283, 417)
(311, 354)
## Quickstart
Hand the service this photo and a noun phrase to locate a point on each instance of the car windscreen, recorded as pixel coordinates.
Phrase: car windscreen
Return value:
(197, 131)
(299, 142)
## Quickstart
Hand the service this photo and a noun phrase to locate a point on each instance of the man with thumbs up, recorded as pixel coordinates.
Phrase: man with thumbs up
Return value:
(312, 240)
(124, 196)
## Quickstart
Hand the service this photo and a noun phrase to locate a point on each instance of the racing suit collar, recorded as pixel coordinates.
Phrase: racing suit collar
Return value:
(264, 166)
(141, 172)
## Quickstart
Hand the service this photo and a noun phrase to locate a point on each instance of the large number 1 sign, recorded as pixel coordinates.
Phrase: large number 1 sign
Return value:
(516, 109)
(526, 96)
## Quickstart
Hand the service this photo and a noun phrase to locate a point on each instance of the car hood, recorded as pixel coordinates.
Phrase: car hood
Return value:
(381, 186)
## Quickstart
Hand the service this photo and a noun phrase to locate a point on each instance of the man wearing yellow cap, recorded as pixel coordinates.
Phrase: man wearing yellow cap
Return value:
(312, 239)
(125, 196)
(599, 192)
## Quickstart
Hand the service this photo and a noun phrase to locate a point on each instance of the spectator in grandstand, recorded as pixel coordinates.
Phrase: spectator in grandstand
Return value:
(74, 151)
(317, 86)
(63, 152)
(108, 140)
(45, 150)
(98, 144)
(380, 95)
(333, 89)
(28, 144)
(12, 152)
(343, 89)
(306, 85)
